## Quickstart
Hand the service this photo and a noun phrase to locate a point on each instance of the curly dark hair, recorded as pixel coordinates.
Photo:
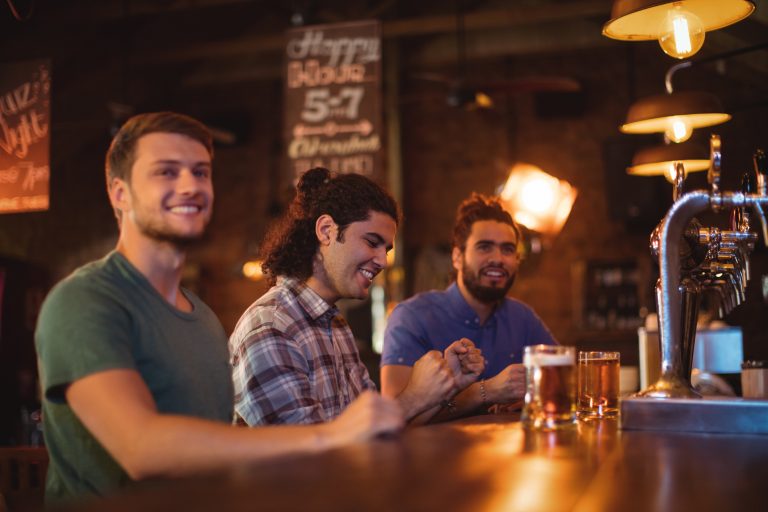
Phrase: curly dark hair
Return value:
(290, 245)
(479, 207)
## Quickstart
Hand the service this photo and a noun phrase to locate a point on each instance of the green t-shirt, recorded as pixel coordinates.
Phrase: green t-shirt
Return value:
(107, 315)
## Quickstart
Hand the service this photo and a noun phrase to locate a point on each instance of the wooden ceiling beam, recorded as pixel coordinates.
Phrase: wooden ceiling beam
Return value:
(475, 21)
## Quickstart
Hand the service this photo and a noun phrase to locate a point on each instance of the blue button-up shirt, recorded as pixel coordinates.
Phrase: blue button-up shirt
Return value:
(433, 320)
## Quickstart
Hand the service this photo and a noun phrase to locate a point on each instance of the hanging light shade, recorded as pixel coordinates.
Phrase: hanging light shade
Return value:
(676, 114)
(679, 26)
(660, 160)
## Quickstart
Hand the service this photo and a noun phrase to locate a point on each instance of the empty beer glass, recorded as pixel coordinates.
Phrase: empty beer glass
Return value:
(550, 387)
(598, 384)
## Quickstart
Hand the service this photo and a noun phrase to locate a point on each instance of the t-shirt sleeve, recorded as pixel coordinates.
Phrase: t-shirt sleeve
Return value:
(404, 340)
(80, 331)
(271, 377)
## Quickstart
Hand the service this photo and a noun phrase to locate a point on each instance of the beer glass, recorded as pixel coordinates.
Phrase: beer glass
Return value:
(550, 387)
(598, 384)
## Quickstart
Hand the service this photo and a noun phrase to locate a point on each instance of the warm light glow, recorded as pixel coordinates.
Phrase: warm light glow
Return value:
(679, 129)
(538, 194)
(671, 173)
(482, 100)
(667, 168)
(391, 257)
(537, 200)
(252, 270)
(682, 33)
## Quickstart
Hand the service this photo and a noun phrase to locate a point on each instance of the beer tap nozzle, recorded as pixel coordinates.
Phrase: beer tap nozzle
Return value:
(761, 173)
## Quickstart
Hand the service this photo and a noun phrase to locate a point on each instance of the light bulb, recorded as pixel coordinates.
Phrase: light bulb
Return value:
(682, 33)
(670, 173)
(678, 130)
(538, 194)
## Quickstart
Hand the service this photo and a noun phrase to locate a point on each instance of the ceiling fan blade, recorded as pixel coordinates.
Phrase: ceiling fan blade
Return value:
(434, 77)
(532, 84)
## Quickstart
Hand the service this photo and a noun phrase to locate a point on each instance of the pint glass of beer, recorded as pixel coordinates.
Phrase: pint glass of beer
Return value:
(550, 387)
(598, 384)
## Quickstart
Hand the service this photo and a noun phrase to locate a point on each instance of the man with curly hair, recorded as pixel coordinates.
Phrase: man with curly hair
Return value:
(485, 257)
(294, 357)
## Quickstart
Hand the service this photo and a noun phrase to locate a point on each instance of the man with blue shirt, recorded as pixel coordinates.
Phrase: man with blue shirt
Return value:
(475, 308)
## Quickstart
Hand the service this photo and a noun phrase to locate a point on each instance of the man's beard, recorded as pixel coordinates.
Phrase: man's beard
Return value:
(485, 294)
(163, 233)
(178, 241)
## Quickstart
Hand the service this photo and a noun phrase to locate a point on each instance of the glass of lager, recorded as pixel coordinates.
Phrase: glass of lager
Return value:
(550, 387)
(598, 385)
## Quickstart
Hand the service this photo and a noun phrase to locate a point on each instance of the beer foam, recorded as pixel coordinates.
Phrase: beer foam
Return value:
(549, 359)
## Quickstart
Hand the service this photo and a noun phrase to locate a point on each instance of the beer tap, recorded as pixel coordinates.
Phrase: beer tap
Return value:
(761, 173)
(694, 259)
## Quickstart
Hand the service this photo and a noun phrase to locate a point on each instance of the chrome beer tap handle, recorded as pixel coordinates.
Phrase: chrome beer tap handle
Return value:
(761, 173)
(715, 159)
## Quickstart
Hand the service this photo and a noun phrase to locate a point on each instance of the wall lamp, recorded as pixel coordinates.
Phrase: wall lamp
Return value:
(679, 26)
(537, 200)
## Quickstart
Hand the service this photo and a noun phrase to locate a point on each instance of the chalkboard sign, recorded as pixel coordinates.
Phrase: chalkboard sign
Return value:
(25, 113)
(333, 98)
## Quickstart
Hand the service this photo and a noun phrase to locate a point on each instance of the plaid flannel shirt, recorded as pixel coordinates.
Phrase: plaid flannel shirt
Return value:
(294, 359)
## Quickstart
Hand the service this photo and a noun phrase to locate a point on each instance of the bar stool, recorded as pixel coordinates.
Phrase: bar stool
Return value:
(22, 477)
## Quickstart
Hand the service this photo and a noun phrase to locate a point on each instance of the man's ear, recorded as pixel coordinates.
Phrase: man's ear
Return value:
(456, 258)
(325, 229)
(119, 194)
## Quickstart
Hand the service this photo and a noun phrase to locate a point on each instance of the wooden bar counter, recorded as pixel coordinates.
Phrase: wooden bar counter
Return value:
(487, 463)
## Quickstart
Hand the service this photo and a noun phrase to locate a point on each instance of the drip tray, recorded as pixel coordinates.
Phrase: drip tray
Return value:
(714, 415)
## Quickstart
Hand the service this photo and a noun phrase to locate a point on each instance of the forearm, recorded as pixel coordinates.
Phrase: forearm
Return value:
(413, 404)
(467, 402)
(176, 445)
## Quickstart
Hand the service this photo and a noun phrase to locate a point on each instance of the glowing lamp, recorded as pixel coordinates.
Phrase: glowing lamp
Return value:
(660, 160)
(537, 200)
(674, 114)
(252, 270)
(682, 33)
(679, 26)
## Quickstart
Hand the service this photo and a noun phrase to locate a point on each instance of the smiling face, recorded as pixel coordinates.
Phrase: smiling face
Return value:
(487, 266)
(170, 194)
(345, 269)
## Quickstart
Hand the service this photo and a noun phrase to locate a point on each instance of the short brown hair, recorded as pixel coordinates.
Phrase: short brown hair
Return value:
(122, 152)
(479, 207)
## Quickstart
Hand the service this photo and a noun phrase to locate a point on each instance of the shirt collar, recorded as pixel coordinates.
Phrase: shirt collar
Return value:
(461, 309)
(307, 298)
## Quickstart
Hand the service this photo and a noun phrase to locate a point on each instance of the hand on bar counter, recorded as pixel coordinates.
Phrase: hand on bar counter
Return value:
(369, 416)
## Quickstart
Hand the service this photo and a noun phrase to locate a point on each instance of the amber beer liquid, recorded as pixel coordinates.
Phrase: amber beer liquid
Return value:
(598, 384)
(550, 397)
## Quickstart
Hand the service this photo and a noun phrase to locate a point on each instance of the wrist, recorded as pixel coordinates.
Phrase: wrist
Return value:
(412, 404)
(483, 393)
(326, 437)
(488, 393)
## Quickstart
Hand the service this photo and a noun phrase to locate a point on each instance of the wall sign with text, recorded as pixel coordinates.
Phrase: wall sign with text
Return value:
(25, 113)
(333, 98)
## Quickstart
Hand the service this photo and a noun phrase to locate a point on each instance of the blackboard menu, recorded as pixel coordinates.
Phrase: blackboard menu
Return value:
(25, 113)
(333, 98)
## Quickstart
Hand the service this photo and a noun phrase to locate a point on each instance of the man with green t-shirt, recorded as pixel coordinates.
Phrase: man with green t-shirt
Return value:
(134, 368)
